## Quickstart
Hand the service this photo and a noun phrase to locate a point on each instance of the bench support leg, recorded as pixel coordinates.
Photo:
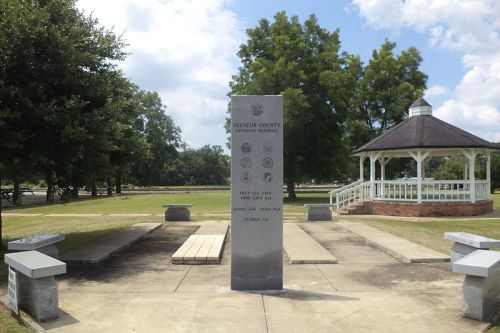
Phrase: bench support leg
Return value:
(319, 214)
(50, 250)
(177, 214)
(38, 297)
(459, 250)
(480, 297)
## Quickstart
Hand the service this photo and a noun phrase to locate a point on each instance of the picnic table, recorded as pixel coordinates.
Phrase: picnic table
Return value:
(6, 193)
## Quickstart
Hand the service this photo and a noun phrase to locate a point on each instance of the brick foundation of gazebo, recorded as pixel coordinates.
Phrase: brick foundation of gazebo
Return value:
(426, 209)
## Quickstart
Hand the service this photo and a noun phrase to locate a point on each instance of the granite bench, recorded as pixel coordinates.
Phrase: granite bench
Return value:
(466, 243)
(318, 212)
(481, 288)
(37, 291)
(44, 243)
(177, 212)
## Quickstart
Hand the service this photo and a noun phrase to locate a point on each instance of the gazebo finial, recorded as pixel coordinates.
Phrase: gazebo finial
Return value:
(420, 108)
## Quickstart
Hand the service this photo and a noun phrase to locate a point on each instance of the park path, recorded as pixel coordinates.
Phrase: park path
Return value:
(367, 291)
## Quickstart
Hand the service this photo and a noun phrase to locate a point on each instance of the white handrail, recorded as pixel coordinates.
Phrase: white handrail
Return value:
(353, 195)
(343, 188)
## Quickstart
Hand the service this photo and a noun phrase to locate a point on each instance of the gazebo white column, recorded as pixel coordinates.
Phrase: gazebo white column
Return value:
(383, 162)
(488, 173)
(373, 159)
(361, 168)
(471, 156)
(419, 157)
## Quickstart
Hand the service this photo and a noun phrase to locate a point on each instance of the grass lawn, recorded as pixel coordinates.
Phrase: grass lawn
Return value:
(8, 324)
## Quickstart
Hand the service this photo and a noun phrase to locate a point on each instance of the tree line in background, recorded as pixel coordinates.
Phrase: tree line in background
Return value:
(333, 102)
(70, 119)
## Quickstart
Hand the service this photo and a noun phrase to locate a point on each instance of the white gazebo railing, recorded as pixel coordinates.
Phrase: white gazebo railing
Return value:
(343, 188)
(407, 190)
(352, 195)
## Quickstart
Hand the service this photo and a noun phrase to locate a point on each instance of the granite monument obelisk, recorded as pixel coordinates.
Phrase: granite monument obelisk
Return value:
(257, 192)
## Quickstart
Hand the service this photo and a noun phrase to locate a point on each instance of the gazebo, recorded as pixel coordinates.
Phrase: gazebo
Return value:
(419, 137)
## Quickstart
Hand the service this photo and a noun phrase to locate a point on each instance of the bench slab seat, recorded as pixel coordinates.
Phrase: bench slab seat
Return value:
(37, 291)
(466, 243)
(44, 243)
(177, 212)
(481, 288)
(318, 212)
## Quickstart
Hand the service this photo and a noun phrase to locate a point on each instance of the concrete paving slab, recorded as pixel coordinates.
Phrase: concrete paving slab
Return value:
(401, 248)
(102, 248)
(213, 228)
(302, 249)
(348, 247)
(306, 277)
(297, 311)
(173, 312)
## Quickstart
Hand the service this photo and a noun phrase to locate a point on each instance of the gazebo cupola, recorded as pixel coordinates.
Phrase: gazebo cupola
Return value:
(420, 137)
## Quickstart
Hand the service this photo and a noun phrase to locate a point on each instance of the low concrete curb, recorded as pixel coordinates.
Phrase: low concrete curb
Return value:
(102, 248)
(302, 248)
(23, 317)
(400, 248)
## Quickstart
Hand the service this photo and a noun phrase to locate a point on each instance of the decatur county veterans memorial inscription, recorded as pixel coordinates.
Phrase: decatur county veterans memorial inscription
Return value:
(256, 192)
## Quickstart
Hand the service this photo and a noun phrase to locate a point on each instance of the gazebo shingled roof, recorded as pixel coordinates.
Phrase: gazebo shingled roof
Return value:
(424, 131)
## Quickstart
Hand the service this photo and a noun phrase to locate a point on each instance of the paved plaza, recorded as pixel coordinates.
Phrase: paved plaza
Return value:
(139, 290)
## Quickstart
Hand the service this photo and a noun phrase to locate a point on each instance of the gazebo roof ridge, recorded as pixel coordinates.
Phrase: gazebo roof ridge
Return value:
(420, 102)
(423, 130)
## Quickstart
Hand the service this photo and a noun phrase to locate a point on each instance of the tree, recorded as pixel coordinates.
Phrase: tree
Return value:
(162, 137)
(53, 65)
(303, 63)
(387, 87)
(207, 165)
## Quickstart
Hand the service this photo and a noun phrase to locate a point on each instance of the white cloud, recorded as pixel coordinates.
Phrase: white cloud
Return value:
(436, 91)
(469, 26)
(185, 50)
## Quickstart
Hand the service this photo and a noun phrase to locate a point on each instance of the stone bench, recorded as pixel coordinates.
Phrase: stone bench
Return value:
(481, 288)
(177, 212)
(44, 243)
(466, 243)
(318, 212)
(37, 291)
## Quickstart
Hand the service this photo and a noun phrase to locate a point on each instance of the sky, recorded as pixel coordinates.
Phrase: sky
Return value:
(186, 50)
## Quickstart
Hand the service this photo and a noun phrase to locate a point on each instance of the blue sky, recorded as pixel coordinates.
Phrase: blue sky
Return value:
(186, 50)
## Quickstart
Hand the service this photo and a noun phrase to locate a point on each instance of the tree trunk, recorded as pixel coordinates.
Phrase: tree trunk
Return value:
(50, 190)
(290, 188)
(118, 180)
(16, 194)
(93, 190)
(74, 193)
(109, 190)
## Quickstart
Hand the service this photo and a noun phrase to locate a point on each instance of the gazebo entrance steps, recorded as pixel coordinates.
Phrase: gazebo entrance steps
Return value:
(358, 208)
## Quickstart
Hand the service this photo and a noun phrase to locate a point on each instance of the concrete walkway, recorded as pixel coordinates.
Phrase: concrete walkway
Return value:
(102, 248)
(401, 248)
(368, 291)
(302, 249)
